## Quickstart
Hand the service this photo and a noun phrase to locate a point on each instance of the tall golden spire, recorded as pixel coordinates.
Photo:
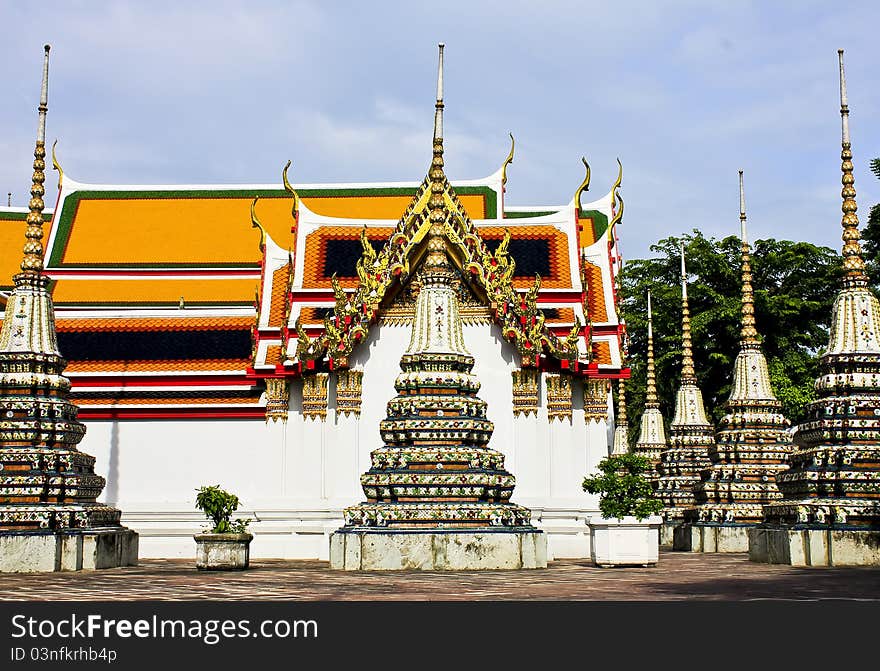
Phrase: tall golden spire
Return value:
(436, 241)
(32, 263)
(748, 333)
(853, 263)
(651, 396)
(687, 357)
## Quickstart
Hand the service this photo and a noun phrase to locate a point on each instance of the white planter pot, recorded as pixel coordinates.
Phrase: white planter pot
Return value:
(626, 541)
(222, 552)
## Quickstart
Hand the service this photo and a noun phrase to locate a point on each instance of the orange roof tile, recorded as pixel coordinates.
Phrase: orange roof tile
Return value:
(153, 323)
(157, 231)
(559, 276)
(158, 365)
(152, 291)
(85, 401)
(273, 355)
(12, 243)
(602, 352)
(316, 252)
(596, 293)
(278, 300)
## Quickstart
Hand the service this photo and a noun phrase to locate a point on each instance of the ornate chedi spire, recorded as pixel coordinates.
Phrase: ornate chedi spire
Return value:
(830, 511)
(621, 425)
(49, 517)
(752, 444)
(437, 495)
(690, 434)
(652, 436)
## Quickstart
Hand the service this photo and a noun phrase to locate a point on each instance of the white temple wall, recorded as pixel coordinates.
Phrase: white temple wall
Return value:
(295, 478)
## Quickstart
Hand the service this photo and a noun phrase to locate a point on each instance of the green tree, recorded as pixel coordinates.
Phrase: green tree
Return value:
(794, 283)
(623, 488)
(871, 237)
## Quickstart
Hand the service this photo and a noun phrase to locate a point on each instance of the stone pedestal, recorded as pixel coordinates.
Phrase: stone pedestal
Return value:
(711, 538)
(814, 547)
(477, 549)
(667, 533)
(223, 552)
(34, 552)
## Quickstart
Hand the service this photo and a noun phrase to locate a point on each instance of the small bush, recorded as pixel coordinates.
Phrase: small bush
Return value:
(218, 505)
(623, 489)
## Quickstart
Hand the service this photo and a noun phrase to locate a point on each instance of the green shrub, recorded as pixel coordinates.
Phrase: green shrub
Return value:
(623, 489)
(218, 505)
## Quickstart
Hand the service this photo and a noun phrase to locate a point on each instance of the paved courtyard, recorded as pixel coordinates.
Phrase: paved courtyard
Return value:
(679, 576)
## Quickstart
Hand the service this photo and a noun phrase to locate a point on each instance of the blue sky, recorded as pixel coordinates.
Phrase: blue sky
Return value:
(684, 92)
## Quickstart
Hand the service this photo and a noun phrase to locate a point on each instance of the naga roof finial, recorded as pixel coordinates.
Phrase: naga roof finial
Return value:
(32, 263)
(507, 161)
(853, 263)
(289, 189)
(56, 165)
(255, 223)
(584, 186)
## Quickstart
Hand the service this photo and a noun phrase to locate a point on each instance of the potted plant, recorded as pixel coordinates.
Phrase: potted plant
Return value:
(226, 545)
(628, 533)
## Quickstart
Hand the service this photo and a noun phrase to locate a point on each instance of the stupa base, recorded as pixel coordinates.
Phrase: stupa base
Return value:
(360, 549)
(90, 549)
(667, 532)
(711, 538)
(814, 547)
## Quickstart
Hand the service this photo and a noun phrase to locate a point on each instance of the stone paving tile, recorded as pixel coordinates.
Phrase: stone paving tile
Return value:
(678, 577)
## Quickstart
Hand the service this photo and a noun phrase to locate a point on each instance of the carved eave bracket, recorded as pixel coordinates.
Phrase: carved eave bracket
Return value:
(595, 400)
(349, 390)
(314, 400)
(277, 398)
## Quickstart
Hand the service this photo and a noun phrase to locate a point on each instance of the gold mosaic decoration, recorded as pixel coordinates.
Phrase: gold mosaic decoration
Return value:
(348, 392)
(525, 391)
(595, 400)
(559, 397)
(315, 396)
(277, 398)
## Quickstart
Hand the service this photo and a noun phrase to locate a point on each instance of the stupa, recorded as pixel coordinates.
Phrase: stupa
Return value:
(49, 517)
(830, 510)
(437, 496)
(652, 434)
(751, 447)
(690, 434)
(620, 444)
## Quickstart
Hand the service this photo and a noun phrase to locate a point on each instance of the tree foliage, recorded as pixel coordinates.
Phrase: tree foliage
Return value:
(623, 488)
(871, 236)
(794, 284)
(218, 506)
